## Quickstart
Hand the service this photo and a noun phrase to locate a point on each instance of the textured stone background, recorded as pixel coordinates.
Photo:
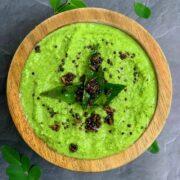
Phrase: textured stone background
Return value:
(18, 17)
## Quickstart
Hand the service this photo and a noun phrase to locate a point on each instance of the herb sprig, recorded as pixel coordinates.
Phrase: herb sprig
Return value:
(64, 93)
(19, 165)
(142, 10)
(154, 148)
(58, 6)
(68, 93)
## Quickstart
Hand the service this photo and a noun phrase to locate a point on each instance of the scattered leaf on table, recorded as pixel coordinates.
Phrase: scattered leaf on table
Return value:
(55, 4)
(142, 10)
(16, 172)
(154, 148)
(25, 163)
(72, 4)
(10, 155)
(34, 173)
(19, 168)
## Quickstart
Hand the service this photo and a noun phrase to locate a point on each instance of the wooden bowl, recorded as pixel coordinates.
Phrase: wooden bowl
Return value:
(113, 19)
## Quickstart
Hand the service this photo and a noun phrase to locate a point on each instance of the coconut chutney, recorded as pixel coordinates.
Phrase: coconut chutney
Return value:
(61, 59)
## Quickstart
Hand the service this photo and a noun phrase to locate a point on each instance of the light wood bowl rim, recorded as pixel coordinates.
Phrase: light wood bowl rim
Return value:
(113, 19)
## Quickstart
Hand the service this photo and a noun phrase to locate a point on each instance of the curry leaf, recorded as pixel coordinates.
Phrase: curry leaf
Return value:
(114, 90)
(99, 76)
(142, 10)
(85, 99)
(86, 96)
(101, 99)
(64, 93)
(89, 75)
(154, 148)
(55, 4)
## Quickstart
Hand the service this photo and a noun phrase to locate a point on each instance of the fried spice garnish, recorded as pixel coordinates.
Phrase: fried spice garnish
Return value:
(109, 119)
(122, 55)
(55, 126)
(96, 61)
(92, 87)
(73, 147)
(108, 109)
(79, 94)
(93, 122)
(68, 78)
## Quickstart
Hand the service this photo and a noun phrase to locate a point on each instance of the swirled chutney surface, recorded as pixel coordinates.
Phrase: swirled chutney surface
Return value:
(64, 126)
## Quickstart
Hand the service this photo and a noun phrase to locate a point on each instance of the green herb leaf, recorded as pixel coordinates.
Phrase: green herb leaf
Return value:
(154, 148)
(16, 172)
(34, 173)
(68, 93)
(25, 163)
(55, 4)
(99, 76)
(10, 155)
(141, 10)
(72, 4)
(53, 93)
(19, 168)
(85, 100)
(100, 100)
(78, 3)
(64, 93)
(114, 89)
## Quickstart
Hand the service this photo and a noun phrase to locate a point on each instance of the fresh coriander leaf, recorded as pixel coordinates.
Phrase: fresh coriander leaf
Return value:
(25, 163)
(114, 90)
(142, 10)
(34, 173)
(55, 4)
(19, 165)
(16, 172)
(72, 4)
(154, 148)
(10, 155)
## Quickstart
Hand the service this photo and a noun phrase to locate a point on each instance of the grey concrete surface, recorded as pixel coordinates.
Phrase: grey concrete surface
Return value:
(18, 17)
